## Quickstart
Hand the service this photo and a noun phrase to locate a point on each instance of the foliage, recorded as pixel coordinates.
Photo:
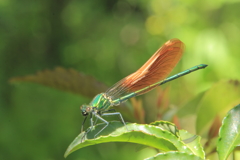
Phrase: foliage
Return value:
(161, 135)
(150, 135)
(165, 139)
(108, 40)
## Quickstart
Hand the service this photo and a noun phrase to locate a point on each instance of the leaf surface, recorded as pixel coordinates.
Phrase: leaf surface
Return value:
(66, 80)
(229, 134)
(149, 135)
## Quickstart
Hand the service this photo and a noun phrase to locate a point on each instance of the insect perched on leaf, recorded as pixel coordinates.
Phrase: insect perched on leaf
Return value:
(149, 76)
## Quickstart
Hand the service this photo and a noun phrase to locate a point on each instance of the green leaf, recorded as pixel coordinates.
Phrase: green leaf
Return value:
(63, 79)
(193, 142)
(217, 101)
(174, 156)
(229, 134)
(167, 126)
(149, 135)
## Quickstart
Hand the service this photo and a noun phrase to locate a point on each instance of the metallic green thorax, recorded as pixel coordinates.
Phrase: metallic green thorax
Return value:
(101, 102)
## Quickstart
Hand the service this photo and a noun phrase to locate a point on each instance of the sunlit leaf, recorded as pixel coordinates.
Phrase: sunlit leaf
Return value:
(220, 98)
(65, 79)
(174, 156)
(229, 134)
(142, 134)
(167, 126)
(193, 142)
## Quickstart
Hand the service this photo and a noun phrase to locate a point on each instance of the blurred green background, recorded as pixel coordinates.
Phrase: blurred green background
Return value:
(107, 39)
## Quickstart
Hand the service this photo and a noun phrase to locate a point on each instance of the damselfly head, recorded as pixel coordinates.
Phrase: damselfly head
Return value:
(85, 109)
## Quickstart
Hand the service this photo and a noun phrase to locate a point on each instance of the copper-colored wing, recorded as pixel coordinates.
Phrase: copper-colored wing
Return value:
(154, 70)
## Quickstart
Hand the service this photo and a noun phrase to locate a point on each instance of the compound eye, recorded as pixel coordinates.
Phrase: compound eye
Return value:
(84, 113)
